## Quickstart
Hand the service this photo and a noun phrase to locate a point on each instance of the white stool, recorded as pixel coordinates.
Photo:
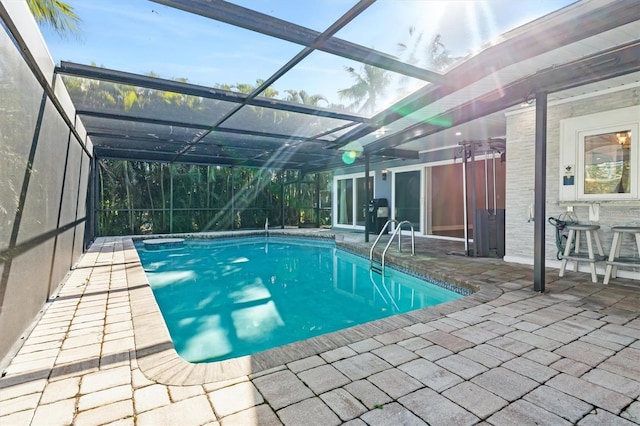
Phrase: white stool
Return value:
(591, 231)
(615, 259)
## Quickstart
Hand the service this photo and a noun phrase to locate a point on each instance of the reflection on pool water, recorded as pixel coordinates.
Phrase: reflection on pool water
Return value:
(227, 298)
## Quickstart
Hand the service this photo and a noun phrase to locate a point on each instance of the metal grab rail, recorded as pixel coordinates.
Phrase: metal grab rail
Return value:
(397, 229)
(373, 246)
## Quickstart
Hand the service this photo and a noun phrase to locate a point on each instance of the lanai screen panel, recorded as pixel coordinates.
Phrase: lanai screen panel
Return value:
(124, 100)
(150, 38)
(133, 129)
(346, 85)
(278, 51)
(270, 120)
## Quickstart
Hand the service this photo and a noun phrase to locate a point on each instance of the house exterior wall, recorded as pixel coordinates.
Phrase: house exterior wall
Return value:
(520, 179)
(44, 175)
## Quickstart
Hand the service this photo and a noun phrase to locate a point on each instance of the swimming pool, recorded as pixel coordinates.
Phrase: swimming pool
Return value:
(223, 299)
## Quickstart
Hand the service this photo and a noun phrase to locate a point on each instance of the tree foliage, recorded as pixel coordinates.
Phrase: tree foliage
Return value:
(428, 53)
(55, 13)
(370, 84)
(136, 198)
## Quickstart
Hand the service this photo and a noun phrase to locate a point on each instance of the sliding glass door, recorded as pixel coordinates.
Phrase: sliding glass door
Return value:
(407, 196)
(350, 200)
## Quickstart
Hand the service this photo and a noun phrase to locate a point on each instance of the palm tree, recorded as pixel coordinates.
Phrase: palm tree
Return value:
(371, 82)
(429, 54)
(55, 13)
(303, 97)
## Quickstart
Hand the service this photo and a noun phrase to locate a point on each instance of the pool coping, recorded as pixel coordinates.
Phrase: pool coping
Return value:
(159, 361)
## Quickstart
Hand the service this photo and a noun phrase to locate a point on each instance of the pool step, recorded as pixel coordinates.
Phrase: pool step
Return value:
(376, 266)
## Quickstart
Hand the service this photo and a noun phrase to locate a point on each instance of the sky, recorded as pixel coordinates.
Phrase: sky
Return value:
(142, 37)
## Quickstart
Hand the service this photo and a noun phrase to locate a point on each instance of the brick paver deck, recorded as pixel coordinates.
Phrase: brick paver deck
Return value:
(101, 354)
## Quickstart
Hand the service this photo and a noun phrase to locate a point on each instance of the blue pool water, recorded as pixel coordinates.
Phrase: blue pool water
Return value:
(227, 298)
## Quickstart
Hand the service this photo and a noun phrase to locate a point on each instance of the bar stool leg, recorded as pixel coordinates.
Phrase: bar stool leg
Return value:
(614, 271)
(615, 248)
(567, 250)
(637, 235)
(598, 244)
(592, 265)
(576, 251)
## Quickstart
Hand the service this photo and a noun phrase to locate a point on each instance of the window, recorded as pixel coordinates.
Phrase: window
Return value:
(600, 156)
(607, 163)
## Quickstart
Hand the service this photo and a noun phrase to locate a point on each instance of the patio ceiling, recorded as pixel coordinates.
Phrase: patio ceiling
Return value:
(584, 46)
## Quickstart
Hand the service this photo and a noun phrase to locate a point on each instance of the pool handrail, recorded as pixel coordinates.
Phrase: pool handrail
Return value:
(397, 229)
(373, 246)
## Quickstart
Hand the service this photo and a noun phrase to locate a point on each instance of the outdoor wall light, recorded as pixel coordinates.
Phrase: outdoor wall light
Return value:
(384, 174)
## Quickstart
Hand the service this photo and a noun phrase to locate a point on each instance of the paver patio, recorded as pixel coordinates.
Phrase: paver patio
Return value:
(100, 354)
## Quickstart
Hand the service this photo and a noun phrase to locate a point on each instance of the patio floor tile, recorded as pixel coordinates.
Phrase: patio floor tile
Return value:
(475, 399)
(542, 356)
(305, 364)
(433, 352)
(345, 405)
(105, 379)
(448, 341)
(323, 378)
(367, 393)
(461, 366)
(525, 413)
(436, 409)
(591, 393)
(505, 383)
(339, 353)
(430, 374)
(394, 382)
(614, 382)
(603, 417)
(105, 396)
(532, 339)
(392, 414)
(361, 366)
(585, 352)
(632, 412)
(530, 369)
(261, 415)
(282, 388)
(571, 367)
(559, 403)
(311, 411)
(57, 413)
(235, 398)
(623, 366)
(475, 334)
(415, 343)
(504, 355)
(150, 397)
(395, 354)
(105, 414)
(193, 411)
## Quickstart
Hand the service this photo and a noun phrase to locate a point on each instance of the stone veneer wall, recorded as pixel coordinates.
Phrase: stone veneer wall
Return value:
(520, 178)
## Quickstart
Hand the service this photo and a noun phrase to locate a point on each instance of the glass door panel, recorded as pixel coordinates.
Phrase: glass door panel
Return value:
(345, 202)
(407, 197)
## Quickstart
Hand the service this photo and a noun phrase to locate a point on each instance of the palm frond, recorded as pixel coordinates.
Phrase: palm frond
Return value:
(57, 14)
